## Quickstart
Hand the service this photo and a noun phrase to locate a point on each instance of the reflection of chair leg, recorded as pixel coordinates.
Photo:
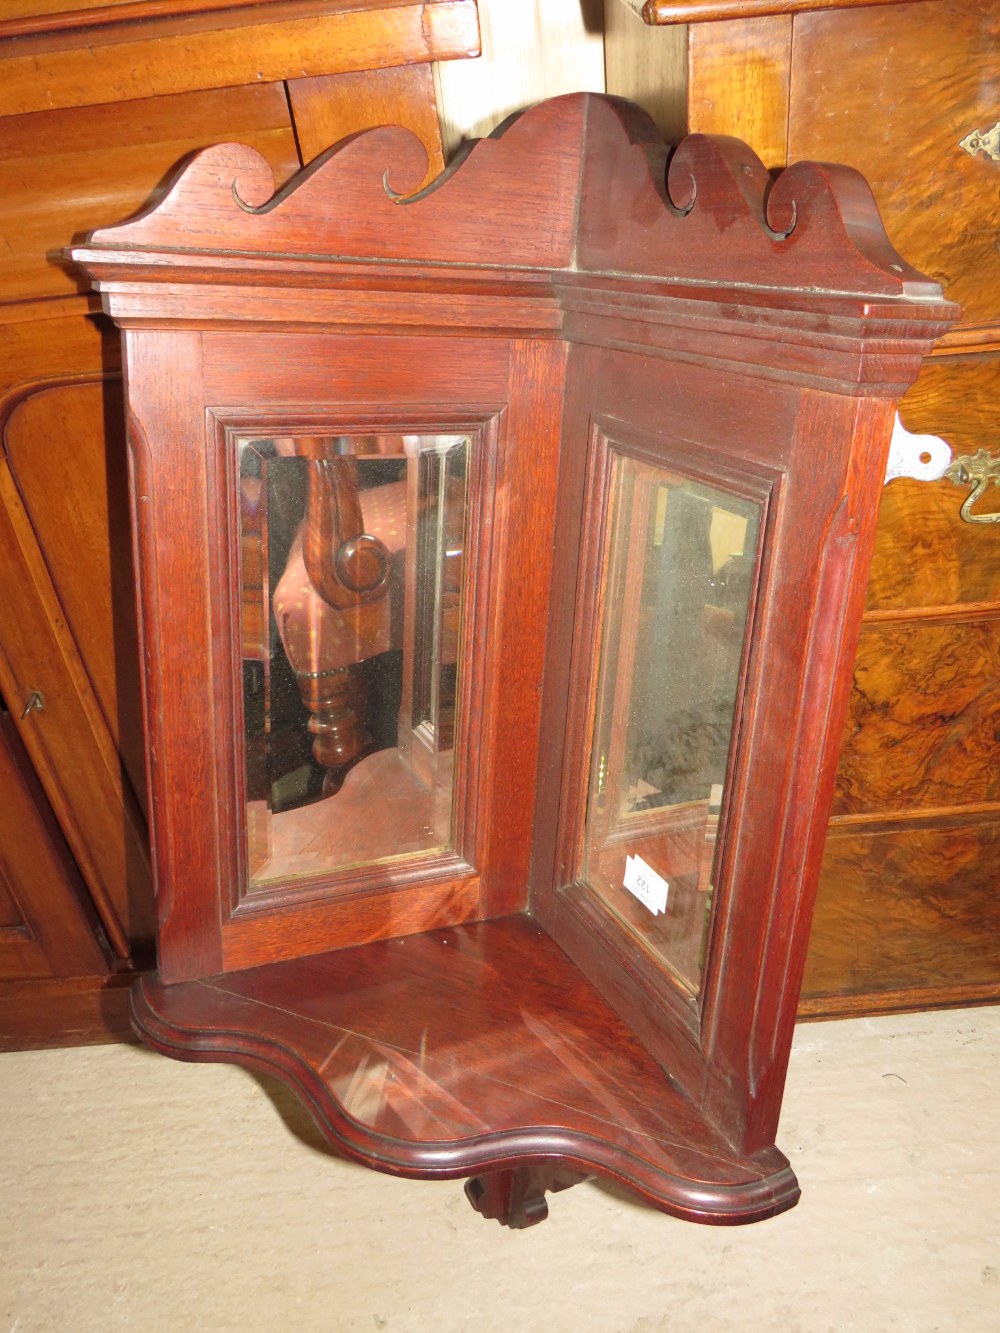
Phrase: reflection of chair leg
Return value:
(337, 720)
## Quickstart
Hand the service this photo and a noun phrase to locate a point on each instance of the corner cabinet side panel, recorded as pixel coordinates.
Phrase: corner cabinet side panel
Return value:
(692, 419)
(838, 496)
(525, 514)
(726, 1040)
(168, 458)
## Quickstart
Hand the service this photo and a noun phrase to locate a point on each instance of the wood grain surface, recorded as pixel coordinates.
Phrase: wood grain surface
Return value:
(66, 453)
(458, 1051)
(68, 740)
(922, 725)
(328, 109)
(738, 83)
(158, 55)
(49, 162)
(706, 11)
(893, 89)
(907, 912)
(46, 929)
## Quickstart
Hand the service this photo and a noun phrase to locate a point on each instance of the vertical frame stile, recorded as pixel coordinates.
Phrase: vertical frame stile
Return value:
(526, 485)
(471, 811)
(628, 500)
(754, 1038)
(222, 468)
(589, 627)
(174, 570)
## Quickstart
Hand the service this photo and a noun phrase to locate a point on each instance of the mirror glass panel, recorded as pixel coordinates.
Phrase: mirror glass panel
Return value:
(351, 587)
(680, 567)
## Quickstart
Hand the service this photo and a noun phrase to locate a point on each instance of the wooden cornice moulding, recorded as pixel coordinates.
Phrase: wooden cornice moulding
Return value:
(660, 391)
(660, 13)
(37, 17)
(115, 53)
(697, 237)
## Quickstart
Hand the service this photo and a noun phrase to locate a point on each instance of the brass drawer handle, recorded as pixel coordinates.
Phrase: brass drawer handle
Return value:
(977, 470)
(983, 141)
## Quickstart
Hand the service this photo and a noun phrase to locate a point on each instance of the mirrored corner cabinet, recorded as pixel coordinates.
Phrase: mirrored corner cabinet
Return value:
(502, 550)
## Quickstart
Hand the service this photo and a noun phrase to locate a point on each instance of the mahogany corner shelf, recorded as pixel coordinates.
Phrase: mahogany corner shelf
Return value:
(469, 1051)
(502, 552)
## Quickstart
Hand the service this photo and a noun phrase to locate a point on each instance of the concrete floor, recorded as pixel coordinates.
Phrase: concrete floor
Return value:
(140, 1193)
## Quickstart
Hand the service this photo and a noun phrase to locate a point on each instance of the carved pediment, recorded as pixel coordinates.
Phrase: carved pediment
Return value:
(577, 184)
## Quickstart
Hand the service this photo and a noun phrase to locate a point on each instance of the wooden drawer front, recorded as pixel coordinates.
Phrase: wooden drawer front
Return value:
(906, 912)
(893, 90)
(925, 555)
(922, 724)
(164, 47)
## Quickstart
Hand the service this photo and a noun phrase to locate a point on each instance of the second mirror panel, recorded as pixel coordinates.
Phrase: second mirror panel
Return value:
(680, 563)
(352, 572)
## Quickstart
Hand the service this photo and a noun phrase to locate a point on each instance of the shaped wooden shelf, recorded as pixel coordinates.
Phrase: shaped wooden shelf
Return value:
(469, 1051)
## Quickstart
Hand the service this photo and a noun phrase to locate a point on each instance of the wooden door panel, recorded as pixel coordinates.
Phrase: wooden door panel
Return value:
(44, 928)
(68, 740)
(905, 915)
(66, 449)
(922, 722)
(893, 90)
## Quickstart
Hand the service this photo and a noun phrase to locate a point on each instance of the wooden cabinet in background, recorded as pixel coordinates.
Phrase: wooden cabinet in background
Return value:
(908, 913)
(46, 929)
(98, 104)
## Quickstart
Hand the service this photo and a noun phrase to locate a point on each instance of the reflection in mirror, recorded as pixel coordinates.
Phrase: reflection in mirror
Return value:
(351, 589)
(680, 566)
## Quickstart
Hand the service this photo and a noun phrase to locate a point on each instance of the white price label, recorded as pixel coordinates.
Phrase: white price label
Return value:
(646, 885)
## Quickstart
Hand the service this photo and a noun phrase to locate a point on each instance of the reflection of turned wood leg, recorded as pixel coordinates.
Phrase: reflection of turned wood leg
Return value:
(336, 704)
(516, 1197)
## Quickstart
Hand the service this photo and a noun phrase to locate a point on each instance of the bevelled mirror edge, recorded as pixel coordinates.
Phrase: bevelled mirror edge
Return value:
(455, 873)
(708, 727)
(309, 627)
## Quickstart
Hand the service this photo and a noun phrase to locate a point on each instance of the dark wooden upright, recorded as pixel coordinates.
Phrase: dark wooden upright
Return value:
(576, 309)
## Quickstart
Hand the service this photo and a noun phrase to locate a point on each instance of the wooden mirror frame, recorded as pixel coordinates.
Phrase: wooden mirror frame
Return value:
(569, 293)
